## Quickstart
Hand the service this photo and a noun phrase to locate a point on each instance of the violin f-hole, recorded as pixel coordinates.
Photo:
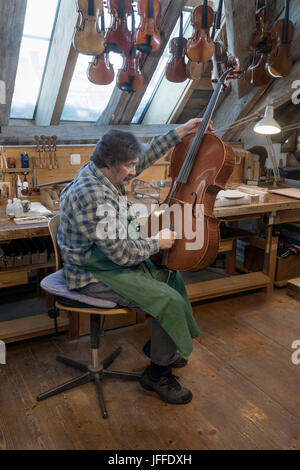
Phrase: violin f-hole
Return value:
(194, 204)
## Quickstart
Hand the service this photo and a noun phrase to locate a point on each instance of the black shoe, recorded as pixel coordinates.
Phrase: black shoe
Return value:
(179, 362)
(168, 388)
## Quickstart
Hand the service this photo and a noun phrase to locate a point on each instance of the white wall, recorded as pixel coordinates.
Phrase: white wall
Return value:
(251, 139)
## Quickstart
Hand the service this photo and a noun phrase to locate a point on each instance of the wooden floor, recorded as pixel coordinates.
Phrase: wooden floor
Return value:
(246, 388)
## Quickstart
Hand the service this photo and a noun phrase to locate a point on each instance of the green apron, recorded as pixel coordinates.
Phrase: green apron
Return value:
(154, 289)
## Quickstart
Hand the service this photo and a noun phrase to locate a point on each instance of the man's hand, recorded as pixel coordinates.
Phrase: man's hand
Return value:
(191, 126)
(166, 239)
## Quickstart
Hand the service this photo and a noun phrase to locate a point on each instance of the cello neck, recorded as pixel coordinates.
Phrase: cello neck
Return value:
(180, 41)
(267, 17)
(91, 8)
(204, 15)
(285, 37)
(121, 9)
(194, 148)
(150, 9)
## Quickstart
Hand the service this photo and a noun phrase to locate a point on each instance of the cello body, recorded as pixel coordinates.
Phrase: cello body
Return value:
(88, 38)
(212, 168)
(200, 167)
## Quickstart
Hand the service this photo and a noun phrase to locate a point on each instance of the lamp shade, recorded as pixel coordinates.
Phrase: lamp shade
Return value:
(267, 125)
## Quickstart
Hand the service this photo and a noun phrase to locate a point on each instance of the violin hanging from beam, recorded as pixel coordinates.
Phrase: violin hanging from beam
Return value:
(130, 77)
(118, 37)
(148, 37)
(200, 46)
(279, 62)
(88, 38)
(176, 67)
(100, 71)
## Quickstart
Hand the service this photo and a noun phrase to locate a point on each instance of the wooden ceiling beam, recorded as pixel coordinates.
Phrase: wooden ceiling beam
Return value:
(121, 108)
(11, 30)
(75, 134)
(278, 91)
(240, 27)
(59, 68)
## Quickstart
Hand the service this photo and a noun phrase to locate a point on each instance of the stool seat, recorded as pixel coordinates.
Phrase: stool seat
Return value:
(55, 284)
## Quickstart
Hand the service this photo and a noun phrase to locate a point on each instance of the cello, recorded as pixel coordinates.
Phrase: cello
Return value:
(280, 61)
(200, 167)
(118, 37)
(148, 35)
(130, 77)
(100, 71)
(176, 67)
(200, 47)
(88, 38)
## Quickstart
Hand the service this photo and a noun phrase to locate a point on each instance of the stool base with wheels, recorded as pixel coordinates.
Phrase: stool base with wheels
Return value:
(95, 372)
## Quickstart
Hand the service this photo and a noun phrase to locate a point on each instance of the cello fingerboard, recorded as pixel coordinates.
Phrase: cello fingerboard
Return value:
(91, 8)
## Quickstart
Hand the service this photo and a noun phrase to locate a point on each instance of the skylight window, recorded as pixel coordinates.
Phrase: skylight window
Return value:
(86, 101)
(159, 72)
(39, 20)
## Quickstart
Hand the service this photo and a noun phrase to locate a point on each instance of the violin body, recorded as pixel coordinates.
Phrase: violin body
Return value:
(256, 74)
(148, 37)
(212, 168)
(100, 70)
(118, 37)
(264, 18)
(200, 46)
(280, 61)
(88, 38)
(130, 77)
(176, 67)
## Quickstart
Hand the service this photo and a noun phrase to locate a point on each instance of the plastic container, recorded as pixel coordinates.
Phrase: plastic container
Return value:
(10, 210)
(18, 208)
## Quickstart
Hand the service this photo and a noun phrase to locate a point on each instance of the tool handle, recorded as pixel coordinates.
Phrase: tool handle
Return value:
(37, 140)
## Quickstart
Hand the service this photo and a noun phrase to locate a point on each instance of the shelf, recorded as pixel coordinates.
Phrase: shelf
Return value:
(15, 170)
(28, 267)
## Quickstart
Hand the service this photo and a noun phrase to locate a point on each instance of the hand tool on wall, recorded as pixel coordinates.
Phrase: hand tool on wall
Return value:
(43, 138)
(48, 138)
(54, 138)
(34, 179)
(38, 149)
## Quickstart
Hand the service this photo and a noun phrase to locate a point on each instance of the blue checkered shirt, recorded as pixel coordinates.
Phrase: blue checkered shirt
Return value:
(79, 201)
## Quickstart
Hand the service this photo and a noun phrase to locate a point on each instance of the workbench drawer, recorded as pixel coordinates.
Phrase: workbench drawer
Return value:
(13, 278)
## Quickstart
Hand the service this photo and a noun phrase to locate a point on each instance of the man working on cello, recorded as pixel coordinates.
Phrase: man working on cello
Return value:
(118, 268)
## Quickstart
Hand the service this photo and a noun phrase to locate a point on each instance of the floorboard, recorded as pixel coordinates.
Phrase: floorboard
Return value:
(246, 391)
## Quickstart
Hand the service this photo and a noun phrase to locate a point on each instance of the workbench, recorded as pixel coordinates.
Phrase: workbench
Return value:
(277, 210)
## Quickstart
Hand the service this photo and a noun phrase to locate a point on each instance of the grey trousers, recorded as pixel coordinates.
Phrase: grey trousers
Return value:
(163, 348)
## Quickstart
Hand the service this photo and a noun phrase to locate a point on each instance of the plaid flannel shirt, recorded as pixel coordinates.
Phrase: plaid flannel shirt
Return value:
(79, 201)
